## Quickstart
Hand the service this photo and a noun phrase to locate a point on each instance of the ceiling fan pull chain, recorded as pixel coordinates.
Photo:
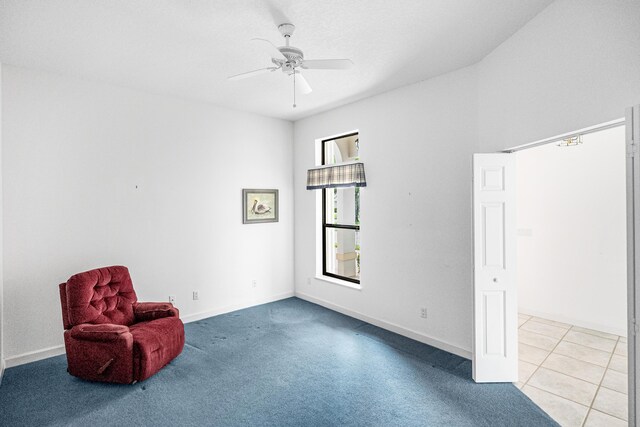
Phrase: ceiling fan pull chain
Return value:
(294, 88)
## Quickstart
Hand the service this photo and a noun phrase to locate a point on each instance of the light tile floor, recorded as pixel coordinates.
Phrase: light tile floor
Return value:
(578, 376)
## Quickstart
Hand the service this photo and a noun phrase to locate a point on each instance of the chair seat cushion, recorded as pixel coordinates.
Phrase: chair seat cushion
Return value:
(155, 343)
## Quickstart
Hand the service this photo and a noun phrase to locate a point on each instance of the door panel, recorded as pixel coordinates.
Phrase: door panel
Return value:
(495, 348)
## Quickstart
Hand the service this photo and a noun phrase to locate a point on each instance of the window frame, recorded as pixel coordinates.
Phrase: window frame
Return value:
(325, 226)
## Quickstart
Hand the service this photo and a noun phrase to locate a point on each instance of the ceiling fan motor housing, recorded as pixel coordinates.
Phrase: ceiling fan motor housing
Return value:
(293, 54)
(294, 58)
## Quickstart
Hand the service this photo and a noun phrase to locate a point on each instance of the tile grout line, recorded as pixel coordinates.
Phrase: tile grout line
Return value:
(570, 326)
(546, 357)
(599, 385)
(561, 397)
(571, 376)
(574, 343)
(572, 358)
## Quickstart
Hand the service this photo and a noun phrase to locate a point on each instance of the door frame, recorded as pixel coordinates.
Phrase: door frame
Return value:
(632, 123)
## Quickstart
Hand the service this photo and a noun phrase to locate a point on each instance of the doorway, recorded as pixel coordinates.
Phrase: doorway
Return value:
(495, 314)
(572, 277)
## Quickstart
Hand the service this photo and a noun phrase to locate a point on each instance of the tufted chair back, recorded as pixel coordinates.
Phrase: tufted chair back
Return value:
(104, 295)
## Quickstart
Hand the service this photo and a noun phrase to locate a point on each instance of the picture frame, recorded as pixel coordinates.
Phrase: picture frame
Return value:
(259, 205)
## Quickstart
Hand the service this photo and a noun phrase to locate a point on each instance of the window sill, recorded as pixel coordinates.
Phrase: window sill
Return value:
(339, 282)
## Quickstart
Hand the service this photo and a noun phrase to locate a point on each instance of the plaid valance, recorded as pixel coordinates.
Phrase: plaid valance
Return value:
(349, 175)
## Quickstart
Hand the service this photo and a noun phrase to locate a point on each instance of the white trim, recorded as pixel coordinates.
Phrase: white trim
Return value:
(1, 370)
(633, 263)
(34, 356)
(400, 330)
(583, 131)
(229, 308)
(335, 281)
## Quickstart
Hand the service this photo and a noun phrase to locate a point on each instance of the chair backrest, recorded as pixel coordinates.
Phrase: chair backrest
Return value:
(103, 295)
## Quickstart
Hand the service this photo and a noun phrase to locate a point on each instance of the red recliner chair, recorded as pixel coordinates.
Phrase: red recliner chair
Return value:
(109, 336)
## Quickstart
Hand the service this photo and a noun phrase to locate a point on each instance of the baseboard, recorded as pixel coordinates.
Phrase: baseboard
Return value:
(44, 353)
(229, 308)
(409, 333)
(576, 322)
(34, 356)
(1, 370)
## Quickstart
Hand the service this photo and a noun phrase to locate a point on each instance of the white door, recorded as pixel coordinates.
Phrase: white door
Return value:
(632, 123)
(495, 314)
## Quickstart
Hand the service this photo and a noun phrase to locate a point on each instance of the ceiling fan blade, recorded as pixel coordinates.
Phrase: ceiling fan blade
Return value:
(273, 50)
(252, 73)
(327, 64)
(303, 83)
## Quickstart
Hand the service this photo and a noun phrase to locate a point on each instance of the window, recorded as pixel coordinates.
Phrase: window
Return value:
(341, 215)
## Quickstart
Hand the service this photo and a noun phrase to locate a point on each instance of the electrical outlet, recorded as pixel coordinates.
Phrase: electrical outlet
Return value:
(254, 283)
(172, 299)
(423, 312)
(195, 295)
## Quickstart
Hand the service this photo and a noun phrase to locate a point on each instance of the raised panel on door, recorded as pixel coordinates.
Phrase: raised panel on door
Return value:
(493, 314)
(493, 235)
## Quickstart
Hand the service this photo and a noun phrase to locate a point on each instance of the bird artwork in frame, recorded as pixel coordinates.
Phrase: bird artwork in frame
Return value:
(259, 206)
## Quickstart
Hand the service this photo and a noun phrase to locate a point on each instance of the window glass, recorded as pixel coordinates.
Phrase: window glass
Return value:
(343, 252)
(341, 150)
(343, 205)
(341, 214)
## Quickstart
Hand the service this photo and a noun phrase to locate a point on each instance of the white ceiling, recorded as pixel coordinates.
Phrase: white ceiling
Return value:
(188, 48)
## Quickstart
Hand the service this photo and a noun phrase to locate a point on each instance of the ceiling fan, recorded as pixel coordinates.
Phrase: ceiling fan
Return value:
(291, 61)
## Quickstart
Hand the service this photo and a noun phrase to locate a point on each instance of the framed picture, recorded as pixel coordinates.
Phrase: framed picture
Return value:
(259, 206)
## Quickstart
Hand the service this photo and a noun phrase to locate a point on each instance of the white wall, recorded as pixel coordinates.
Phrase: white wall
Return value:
(574, 65)
(572, 246)
(74, 152)
(416, 143)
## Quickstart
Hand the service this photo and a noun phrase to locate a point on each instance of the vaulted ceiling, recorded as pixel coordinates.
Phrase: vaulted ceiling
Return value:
(188, 48)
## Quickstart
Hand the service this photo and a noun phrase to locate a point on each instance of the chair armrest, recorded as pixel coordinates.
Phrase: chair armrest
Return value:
(154, 310)
(105, 332)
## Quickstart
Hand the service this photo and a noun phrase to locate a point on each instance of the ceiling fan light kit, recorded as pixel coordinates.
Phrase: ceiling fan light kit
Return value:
(290, 60)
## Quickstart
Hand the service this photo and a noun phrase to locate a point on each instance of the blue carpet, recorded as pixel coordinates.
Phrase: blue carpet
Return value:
(285, 363)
